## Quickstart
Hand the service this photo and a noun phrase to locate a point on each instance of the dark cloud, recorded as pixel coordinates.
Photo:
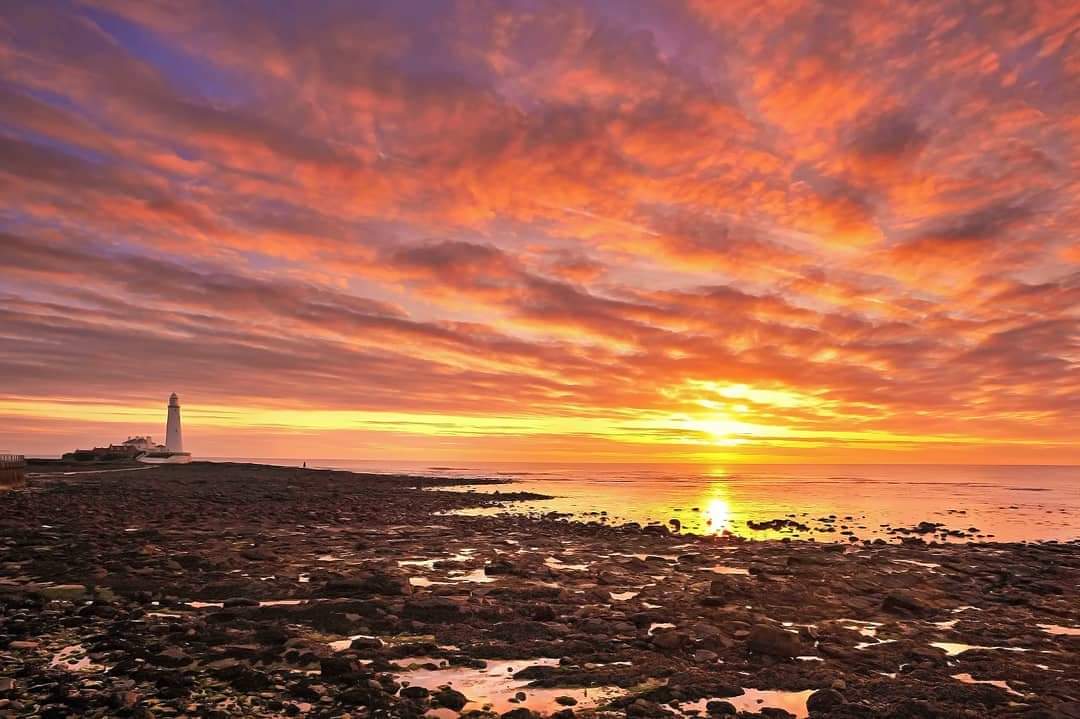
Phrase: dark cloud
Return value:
(892, 137)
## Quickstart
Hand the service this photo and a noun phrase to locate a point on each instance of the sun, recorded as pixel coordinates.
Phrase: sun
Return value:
(723, 431)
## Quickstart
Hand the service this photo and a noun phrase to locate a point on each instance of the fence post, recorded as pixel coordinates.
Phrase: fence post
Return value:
(12, 470)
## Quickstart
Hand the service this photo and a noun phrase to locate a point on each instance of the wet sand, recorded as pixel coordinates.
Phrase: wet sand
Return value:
(214, 590)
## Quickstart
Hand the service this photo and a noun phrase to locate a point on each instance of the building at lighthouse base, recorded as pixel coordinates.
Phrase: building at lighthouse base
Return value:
(140, 449)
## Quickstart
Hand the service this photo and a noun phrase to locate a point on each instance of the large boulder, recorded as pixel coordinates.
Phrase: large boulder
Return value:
(824, 700)
(904, 604)
(334, 667)
(774, 642)
(519, 713)
(374, 582)
(384, 582)
(437, 610)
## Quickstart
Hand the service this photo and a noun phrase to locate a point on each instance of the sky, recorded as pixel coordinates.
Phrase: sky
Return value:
(634, 230)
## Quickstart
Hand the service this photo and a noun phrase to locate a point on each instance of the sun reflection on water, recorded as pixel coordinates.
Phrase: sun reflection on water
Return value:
(717, 509)
(719, 515)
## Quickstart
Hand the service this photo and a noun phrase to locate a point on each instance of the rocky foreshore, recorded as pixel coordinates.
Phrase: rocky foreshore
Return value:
(216, 590)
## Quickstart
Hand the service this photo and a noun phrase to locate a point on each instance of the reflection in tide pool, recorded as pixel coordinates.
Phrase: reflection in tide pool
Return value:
(495, 688)
(754, 700)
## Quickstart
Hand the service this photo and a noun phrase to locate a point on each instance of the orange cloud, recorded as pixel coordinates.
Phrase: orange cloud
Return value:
(665, 219)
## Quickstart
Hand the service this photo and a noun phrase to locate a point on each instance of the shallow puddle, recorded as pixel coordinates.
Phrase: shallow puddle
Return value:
(476, 576)
(423, 582)
(917, 563)
(74, 659)
(495, 687)
(417, 663)
(754, 700)
(1059, 630)
(867, 629)
(556, 564)
(725, 569)
(954, 648)
(643, 557)
(429, 563)
(342, 644)
(462, 556)
(968, 679)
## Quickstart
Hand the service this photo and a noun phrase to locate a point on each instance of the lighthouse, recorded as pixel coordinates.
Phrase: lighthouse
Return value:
(173, 451)
(174, 441)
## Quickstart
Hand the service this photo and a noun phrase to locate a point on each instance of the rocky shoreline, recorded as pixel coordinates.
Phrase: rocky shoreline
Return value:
(217, 590)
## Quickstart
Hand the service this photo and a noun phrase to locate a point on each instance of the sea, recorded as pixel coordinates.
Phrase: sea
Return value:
(823, 502)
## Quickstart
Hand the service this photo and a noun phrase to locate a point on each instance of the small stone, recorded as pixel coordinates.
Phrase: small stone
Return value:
(704, 656)
(519, 713)
(669, 640)
(68, 592)
(451, 699)
(645, 708)
(171, 657)
(366, 643)
(716, 707)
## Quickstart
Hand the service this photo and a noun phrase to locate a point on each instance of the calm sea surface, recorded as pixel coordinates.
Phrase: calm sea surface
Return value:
(1002, 503)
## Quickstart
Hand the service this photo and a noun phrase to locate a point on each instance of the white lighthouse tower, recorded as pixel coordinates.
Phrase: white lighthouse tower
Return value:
(174, 440)
(173, 451)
